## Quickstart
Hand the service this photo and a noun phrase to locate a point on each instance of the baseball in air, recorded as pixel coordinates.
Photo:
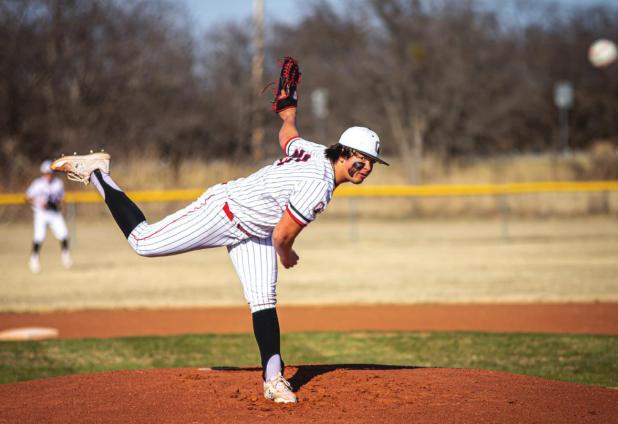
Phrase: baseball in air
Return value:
(602, 53)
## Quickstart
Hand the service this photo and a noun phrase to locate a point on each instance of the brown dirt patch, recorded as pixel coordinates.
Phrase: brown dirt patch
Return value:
(333, 393)
(336, 393)
(588, 318)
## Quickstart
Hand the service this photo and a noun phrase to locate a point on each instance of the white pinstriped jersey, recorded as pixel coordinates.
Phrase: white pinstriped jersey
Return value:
(41, 191)
(301, 183)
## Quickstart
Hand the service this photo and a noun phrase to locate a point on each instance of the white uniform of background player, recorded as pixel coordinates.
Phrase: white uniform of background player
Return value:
(256, 218)
(46, 195)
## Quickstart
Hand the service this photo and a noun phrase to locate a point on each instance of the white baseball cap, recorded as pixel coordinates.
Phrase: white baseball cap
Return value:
(364, 141)
(46, 167)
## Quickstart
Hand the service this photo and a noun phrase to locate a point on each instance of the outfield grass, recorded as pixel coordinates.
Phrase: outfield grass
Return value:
(576, 358)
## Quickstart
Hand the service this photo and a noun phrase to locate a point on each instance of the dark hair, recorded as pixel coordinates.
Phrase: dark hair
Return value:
(337, 150)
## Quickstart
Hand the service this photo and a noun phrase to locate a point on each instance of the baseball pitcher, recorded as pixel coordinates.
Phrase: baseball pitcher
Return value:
(45, 194)
(256, 218)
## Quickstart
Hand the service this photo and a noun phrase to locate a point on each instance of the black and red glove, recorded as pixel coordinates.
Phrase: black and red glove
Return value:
(286, 95)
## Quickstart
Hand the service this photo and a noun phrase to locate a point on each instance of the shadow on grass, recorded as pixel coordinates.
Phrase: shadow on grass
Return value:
(305, 373)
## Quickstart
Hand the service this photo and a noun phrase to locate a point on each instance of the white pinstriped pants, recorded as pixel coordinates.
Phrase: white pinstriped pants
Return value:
(204, 224)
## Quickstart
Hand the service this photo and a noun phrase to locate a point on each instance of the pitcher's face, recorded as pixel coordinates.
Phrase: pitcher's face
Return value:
(358, 167)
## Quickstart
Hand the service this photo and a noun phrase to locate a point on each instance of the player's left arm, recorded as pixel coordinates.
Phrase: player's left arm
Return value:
(60, 204)
(284, 234)
(286, 100)
(288, 129)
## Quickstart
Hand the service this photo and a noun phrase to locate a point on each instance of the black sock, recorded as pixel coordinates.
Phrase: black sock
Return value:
(64, 244)
(125, 212)
(267, 335)
(35, 248)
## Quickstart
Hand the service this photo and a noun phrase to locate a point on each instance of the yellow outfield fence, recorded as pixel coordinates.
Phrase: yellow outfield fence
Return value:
(361, 191)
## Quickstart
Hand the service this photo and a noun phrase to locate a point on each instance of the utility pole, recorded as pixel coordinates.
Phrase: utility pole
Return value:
(257, 81)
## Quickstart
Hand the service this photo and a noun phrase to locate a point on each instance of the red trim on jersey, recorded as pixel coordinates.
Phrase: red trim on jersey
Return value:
(287, 209)
(285, 145)
(228, 212)
(230, 215)
(176, 220)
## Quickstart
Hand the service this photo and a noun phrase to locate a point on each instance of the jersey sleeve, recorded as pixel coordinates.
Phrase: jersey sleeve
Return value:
(298, 143)
(309, 198)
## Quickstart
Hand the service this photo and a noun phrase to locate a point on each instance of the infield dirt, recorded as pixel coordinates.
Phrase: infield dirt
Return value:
(555, 262)
(327, 393)
(575, 318)
(334, 393)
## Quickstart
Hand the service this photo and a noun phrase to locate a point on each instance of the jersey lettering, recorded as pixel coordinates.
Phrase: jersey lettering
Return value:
(299, 155)
(259, 199)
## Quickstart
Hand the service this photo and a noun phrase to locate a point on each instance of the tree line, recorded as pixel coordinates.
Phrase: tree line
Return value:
(450, 78)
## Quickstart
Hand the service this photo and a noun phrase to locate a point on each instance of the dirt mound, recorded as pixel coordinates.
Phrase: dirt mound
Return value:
(327, 393)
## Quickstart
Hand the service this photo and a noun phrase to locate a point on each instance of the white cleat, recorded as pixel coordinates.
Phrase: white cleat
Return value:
(34, 264)
(79, 167)
(279, 390)
(67, 262)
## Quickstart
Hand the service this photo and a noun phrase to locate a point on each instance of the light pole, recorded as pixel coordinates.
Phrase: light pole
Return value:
(563, 99)
(319, 107)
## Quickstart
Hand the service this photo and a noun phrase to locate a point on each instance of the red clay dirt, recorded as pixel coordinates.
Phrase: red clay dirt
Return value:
(327, 393)
(337, 393)
(582, 318)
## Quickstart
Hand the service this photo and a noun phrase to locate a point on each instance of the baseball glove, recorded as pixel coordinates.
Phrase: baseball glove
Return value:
(286, 96)
(52, 205)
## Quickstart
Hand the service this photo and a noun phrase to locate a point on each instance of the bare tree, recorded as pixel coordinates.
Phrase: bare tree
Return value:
(226, 73)
(452, 78)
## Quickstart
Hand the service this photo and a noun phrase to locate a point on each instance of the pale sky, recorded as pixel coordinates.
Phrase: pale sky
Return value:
(209, 12)
(205, 13)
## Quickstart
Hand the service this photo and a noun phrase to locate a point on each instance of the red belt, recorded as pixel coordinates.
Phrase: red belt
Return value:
(230, 215)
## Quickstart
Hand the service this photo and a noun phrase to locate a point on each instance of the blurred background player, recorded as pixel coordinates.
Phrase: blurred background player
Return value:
(46, 195)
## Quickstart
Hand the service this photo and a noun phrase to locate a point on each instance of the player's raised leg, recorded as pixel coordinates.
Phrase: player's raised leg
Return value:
(95, 168)
(202, 224)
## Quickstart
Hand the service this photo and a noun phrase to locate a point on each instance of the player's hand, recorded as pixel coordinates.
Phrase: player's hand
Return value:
(289, 260)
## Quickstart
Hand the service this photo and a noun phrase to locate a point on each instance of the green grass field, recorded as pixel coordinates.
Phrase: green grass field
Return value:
(575, 358)
(397, 261)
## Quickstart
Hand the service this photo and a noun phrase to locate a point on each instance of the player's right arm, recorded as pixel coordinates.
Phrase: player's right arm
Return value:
(284, 235)
(288, 129)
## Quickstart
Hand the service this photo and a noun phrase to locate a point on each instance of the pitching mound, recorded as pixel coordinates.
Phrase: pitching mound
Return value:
(332, 393)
